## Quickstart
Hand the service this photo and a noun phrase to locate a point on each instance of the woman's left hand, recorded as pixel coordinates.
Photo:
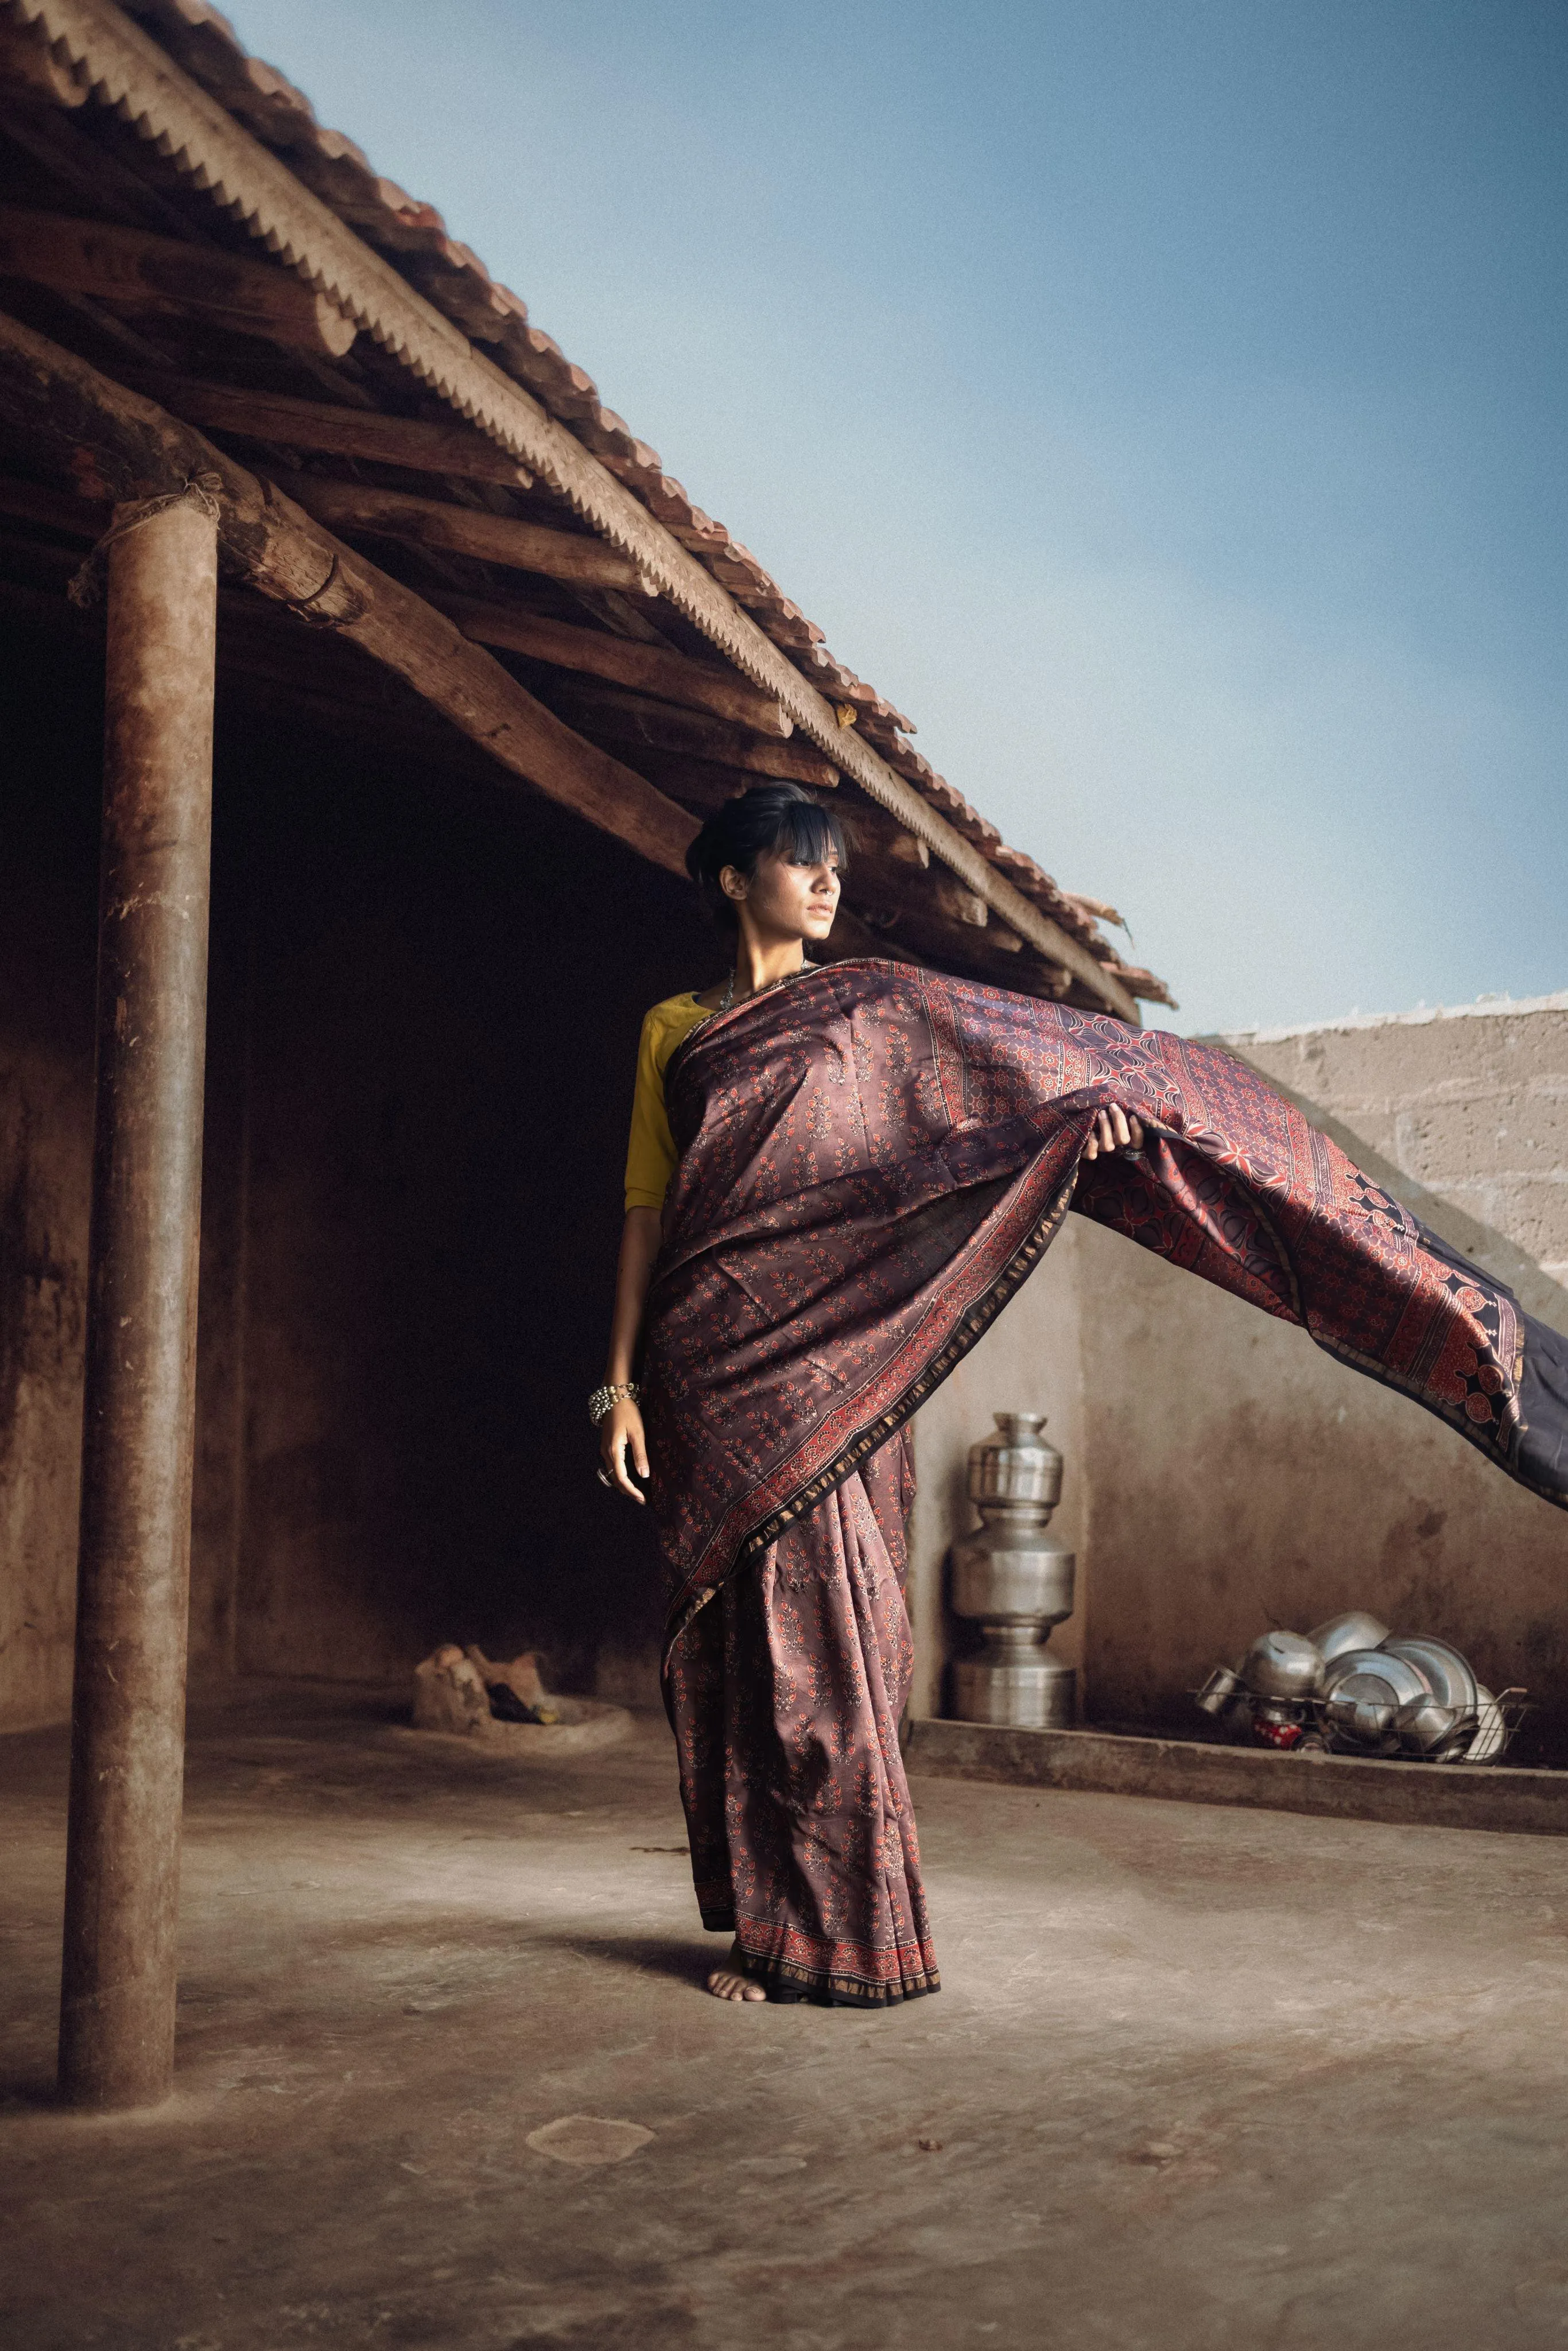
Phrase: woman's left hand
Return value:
(1115, 1128)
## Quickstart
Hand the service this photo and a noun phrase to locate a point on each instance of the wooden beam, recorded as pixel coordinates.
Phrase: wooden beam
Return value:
(879, 835)
(960, 905)
(114, 443)
(926, 909)
(459, 530)
(161, 276)
(315, 425)
(630, 718)
(1143, 983)
(850, 936)
(673, 676)
(699, 783)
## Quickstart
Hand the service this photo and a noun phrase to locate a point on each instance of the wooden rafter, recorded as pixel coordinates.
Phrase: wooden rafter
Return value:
(124, 68)
(114, 444)
(520, 546)
(674, 677)
(164, 276)
(315, 427)
(632, 718)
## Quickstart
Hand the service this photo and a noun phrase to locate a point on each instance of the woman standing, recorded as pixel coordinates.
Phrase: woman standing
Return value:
(837, 1177)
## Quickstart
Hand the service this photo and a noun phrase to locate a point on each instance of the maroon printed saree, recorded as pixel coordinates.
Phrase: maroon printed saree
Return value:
(874, 1157)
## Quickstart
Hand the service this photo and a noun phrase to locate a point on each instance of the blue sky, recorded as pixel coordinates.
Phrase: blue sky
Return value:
(1163, 400)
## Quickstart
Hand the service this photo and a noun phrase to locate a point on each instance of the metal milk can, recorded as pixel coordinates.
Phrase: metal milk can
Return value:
(1016, 1580)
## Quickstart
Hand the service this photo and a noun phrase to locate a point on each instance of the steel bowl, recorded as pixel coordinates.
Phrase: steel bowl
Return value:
(1404, 1679)
(1282, 1664)
(1434, 1732)
(1363, 1692)
(1359, 1716)
(1447, 1674)
(1353, 1629)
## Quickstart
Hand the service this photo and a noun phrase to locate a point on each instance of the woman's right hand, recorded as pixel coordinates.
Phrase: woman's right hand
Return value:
(619, 1434)
(1115, 1128)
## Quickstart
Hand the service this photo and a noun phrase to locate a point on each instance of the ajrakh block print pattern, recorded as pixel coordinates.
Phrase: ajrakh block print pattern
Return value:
(872, 1159)
(875, 1156)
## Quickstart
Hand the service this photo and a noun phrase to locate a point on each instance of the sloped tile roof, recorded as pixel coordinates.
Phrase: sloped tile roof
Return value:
(413, 236)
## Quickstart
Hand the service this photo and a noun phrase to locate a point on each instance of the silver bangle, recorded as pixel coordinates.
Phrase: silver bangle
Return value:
(603, 1400)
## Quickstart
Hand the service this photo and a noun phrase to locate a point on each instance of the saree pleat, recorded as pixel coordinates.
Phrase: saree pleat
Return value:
(786, 1696)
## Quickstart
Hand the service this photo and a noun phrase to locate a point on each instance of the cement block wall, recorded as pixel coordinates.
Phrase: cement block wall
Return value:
(1229, 1474)
(1465, 1113)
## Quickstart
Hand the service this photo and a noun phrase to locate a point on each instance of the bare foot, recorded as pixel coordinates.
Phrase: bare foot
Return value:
(733, 1982)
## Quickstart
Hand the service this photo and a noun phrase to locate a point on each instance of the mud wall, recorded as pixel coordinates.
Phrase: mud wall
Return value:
(445, 988)
(49, 748)
(426, 991)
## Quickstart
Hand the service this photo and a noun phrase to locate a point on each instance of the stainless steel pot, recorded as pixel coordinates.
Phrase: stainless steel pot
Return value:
(1223, 1683)
(1364, 1691)
(1354, 1628)
(1441, 1729)
(1448, 1676)
(1282, 1664)
(1016, 1466)
(1433, 1732)
(1016, 1580)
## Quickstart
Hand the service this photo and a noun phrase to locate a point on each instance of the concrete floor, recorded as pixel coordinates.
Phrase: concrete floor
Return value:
(1198, 2078)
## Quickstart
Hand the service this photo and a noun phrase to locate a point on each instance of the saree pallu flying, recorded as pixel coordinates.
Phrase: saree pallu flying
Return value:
(872, 1159)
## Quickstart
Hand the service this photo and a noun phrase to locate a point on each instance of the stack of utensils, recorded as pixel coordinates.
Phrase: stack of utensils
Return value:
(1352, 1688)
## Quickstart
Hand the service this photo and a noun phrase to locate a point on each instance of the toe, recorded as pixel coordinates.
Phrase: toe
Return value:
(726, 1985)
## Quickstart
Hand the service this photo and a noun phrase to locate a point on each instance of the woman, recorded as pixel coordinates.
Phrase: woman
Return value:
(836, 1179)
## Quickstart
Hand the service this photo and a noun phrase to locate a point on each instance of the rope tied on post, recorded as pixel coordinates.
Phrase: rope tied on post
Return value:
(86, 589)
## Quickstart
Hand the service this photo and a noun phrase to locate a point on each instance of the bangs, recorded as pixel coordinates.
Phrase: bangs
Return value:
(810, 834)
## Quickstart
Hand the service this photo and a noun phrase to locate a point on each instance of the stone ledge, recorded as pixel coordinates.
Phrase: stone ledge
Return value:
(1428, 1795)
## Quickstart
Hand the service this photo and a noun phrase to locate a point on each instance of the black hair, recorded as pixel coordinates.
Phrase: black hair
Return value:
(776, 820)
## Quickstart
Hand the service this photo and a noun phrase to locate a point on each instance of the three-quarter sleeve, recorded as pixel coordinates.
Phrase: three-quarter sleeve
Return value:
(650, 1147)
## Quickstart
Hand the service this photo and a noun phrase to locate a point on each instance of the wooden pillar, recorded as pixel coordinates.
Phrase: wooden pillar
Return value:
(116, 2008)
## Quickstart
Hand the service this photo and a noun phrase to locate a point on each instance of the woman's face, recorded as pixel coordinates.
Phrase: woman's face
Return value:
(785, 901)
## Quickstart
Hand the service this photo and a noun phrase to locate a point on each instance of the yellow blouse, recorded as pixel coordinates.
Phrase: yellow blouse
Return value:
(650, 1151)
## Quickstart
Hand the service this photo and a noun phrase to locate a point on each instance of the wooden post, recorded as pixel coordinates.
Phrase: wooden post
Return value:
(122, 1869)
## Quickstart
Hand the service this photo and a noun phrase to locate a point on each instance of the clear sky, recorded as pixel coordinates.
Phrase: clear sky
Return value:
(1163, 400)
